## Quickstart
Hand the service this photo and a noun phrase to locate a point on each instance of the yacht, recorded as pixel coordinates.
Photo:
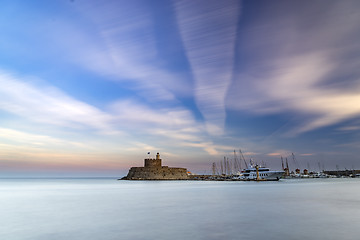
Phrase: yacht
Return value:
(261, 173)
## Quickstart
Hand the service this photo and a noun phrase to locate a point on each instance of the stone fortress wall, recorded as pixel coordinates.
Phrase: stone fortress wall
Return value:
(148, 162)
(153, 170)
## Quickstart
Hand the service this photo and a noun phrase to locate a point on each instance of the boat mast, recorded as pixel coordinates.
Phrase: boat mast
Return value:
(287, 164)
(295, 161)
(236, 164)
(221, 167)
(242, 155)
(213, 168)
(229, 166)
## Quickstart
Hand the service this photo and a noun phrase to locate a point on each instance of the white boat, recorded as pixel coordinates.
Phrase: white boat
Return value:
(320, 175)
(261, 173)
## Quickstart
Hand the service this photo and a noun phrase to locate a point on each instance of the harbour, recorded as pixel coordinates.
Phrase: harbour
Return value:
(153, 170)
(229, 170)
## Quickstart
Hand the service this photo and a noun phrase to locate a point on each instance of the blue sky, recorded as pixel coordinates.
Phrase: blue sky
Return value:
(89, 87)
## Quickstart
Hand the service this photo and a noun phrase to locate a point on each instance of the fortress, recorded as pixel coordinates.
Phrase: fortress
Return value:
(153, 170)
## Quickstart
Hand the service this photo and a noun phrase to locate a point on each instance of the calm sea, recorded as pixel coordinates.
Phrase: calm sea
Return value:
(103, 209)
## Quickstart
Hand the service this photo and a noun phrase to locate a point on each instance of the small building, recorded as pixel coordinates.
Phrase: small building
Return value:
(153, 170)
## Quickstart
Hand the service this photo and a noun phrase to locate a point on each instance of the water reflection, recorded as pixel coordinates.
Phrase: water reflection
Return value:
(110, 209)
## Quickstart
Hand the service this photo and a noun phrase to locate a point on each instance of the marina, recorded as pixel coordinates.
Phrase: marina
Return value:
(229, 170)
(153, 170)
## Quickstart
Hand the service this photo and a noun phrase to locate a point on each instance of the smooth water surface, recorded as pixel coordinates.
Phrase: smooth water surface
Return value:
(102, 209)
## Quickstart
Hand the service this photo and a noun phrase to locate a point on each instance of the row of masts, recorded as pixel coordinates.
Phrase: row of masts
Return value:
(233, 166)
(297, 166)
(230, 166)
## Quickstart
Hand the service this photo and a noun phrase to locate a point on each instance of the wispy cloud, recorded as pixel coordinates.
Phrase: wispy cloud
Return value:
(208, 30)
(35, 140)
(129, 52)
(349, 128)
(302, 70)
(48, 105)
(280, 153)
(121, 45)
(274, 154)
(176, 127)
(115, 39)
(123, 119)
(210, 147)
(287, 153)
(134, 113)
(300, 86)
(306, 154)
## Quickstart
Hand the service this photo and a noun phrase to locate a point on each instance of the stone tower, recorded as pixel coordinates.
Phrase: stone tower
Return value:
(149, 162)
(153, 170)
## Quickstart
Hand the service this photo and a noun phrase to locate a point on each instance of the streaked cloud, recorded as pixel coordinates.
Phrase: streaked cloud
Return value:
(306, 154)
(35, 140)
(250, 153)
(129, 52)
(48, 105)
(298, 87)
(299, 70)
(94, 84)
(280, 153)
(208, 30)
(210, 147)
(122, 119)
(349, 128)
(131, 112)
(274, 154)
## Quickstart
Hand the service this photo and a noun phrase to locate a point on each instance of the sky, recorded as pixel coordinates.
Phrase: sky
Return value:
(89, 87)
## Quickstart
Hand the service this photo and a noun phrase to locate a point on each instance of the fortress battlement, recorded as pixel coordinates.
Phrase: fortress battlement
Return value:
(153, 170)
